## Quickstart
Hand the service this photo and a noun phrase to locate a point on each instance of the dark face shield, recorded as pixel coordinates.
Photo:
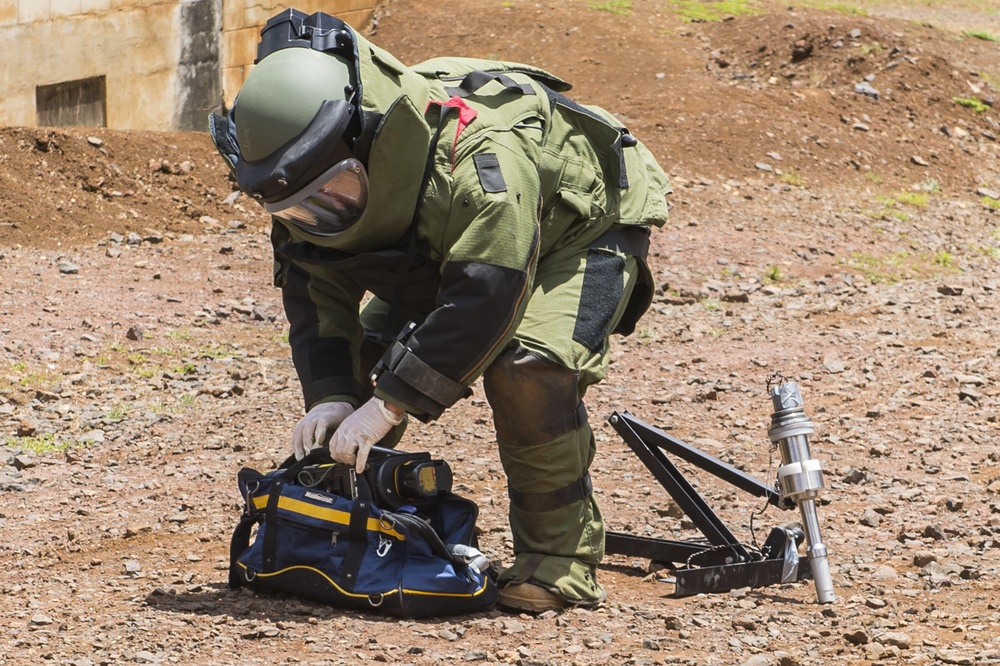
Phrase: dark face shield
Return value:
(329, 204)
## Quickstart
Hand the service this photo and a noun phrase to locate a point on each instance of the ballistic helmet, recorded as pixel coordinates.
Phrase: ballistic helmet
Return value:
(291, 136)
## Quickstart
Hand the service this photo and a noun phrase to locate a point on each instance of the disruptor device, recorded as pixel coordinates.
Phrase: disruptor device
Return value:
(720, 562)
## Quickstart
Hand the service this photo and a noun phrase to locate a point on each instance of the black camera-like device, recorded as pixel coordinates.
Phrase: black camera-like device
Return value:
(392, 478)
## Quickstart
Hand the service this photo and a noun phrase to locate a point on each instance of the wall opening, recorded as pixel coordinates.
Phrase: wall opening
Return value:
(81, 102)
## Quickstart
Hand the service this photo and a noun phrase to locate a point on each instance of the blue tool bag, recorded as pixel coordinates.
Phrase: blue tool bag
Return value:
(393, 540)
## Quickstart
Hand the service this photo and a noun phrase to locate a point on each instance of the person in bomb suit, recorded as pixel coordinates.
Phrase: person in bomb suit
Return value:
(501, 230)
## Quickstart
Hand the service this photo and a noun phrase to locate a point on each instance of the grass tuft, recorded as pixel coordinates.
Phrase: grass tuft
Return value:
(619, 7)
(701, 12)
(981, 34)
(970, 103)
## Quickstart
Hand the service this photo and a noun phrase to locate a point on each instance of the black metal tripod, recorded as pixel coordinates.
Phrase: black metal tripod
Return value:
(724, 562)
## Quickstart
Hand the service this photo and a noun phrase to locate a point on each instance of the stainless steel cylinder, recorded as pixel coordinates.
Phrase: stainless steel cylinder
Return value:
(800, 477)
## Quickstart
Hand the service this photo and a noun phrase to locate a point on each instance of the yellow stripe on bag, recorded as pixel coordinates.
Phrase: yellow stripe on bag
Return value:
(324, 513)
(316, 571)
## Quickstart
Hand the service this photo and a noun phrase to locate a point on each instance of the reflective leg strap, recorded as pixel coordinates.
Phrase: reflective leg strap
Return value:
(553, 499)
(531, 562)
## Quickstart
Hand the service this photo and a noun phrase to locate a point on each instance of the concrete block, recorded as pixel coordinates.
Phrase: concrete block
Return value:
(239, 47)
(257, 14)
(64, 8)
(233, 15)
(232, 81)
(94, 6)
(127, 4)
(30, 11)
(8, 13)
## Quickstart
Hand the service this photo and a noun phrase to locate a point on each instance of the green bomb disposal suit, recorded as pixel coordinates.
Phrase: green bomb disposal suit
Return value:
(511, 225)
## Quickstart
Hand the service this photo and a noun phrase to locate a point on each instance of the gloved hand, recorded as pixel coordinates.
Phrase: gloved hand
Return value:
(353, 440)
(312, 431)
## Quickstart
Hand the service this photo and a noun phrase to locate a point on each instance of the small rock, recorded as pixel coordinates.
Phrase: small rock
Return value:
(833, 363)
(672, 622)
(934, 532)
(856, 637)
(759, 660)
(854, 476)
(134, 333)
(68, 268)
(897, 638)
(884, 572)
(26, 429)
(865, 88)
(870, 518)
(919, 161)
(25, 460)
(969, 395)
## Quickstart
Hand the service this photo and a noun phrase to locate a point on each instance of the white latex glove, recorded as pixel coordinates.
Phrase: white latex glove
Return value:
(312, 431)
(354, 439)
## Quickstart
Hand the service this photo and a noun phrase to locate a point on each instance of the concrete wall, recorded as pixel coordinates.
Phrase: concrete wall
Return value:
(243, 19)
(165, 63)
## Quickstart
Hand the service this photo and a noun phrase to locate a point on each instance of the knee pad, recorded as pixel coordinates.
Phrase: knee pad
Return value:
(534, 400)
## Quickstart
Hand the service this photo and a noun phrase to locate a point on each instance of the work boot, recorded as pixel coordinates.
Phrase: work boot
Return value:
(532, 597)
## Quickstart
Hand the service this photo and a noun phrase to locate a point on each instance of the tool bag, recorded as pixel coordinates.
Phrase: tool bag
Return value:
(346, 551)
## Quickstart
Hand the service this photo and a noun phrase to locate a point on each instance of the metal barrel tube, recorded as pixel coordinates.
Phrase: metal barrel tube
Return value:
(816, 552)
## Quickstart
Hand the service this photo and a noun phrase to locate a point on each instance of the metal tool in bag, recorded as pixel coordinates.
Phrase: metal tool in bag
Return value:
(396, 478)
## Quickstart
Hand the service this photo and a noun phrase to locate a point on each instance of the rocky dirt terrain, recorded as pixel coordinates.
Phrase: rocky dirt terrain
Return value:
(836, 219)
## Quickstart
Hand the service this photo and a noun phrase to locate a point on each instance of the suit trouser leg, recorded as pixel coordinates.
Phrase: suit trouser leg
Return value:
(536, 389)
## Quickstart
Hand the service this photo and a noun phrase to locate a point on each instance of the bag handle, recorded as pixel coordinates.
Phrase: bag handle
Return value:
(239, 543)
(292, 467)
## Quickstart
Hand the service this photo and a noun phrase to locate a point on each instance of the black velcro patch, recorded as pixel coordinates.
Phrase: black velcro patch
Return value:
(603, 289)
(490, 176)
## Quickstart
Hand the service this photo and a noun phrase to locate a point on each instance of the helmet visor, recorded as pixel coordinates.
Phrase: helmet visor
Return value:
(329, 204)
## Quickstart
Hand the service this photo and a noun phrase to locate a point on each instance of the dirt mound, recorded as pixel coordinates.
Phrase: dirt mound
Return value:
(794, 96)
(907, 100)
(70, 186)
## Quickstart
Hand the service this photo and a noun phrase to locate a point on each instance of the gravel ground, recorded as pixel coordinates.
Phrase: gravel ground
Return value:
(144, 361)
